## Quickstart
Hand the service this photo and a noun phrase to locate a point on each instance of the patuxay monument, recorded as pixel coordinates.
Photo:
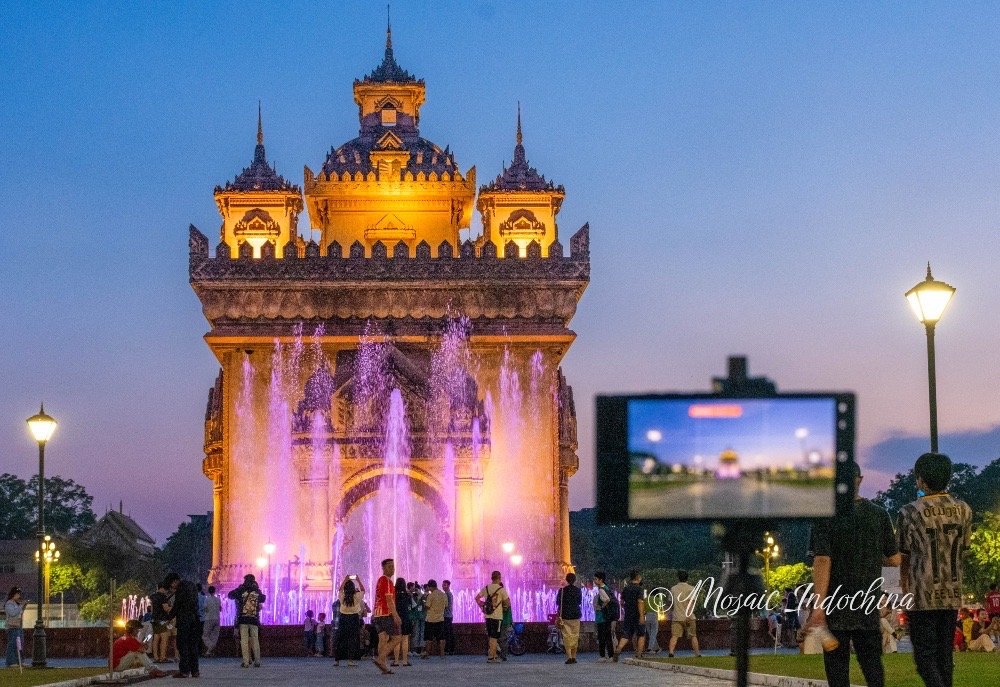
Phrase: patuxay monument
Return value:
(390, 390)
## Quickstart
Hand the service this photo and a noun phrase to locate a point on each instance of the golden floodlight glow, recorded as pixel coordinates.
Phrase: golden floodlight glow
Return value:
(261, 562)
(269, 548)
(701, 411)
(507, 547)
(929, 298)
(516, 559)
(42, 426)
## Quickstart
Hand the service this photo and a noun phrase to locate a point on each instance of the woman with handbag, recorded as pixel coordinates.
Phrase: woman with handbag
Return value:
(569, 600)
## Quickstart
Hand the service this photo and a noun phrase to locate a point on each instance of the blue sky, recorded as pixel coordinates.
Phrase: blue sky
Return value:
(760, 178)
(763, 433)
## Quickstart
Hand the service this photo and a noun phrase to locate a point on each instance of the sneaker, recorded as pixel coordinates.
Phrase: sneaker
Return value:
(615, 657)
(256, 664)
(601, 659)
(670, 655)
(352, 664)
(244, 665)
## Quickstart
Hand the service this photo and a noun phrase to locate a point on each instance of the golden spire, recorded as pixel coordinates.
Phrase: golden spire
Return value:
(388, 30)
(518, 122)
(260, 127)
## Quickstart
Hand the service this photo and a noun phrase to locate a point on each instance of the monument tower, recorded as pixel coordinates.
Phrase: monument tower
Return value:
(390, 391)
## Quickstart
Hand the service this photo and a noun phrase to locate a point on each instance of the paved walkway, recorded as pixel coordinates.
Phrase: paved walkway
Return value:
(526, 671)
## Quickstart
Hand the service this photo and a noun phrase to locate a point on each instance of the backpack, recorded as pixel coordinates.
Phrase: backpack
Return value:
(611, 610)
(488, 605)
(250, 607)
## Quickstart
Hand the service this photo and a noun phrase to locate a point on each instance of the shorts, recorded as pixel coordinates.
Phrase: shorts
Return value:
(633, 629)
(434, 632)
(493, 627)
(160, 627)
(384, 623)
(680, 628)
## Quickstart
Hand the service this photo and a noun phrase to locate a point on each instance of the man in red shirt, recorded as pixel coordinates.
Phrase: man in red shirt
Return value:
(993, 602)
(128, 652)
(385, 617)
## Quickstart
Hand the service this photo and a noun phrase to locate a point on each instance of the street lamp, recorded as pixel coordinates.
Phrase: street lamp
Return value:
(269, 549)
(48, 555)
(41, 426)
(770, 550)
(928, 299)
(507, 547)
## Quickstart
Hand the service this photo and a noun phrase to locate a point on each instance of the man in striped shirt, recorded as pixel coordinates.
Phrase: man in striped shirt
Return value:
(933, 536)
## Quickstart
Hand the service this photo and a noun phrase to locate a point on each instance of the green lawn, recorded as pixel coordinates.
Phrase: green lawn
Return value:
(970, 668)
(45, 676)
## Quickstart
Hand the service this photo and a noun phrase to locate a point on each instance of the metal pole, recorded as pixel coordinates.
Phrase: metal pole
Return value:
(932, 386)
(38, 648)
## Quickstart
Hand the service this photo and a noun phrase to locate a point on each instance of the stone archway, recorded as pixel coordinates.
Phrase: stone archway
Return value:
(401, 515)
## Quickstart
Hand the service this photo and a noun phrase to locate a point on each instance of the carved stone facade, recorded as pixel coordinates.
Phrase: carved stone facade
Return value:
(389, 206)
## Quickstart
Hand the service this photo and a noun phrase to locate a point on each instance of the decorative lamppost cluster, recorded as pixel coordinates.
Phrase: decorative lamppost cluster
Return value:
(45, 557)
(770, 550)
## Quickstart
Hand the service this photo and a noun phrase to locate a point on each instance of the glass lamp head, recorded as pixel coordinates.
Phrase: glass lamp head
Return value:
(42, 426)
(269, 549)
(261, 562)
(929, 298)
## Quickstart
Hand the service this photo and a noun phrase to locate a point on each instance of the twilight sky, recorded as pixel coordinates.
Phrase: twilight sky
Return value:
(762, 178)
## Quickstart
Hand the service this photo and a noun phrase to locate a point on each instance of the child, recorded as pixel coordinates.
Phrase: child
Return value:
(321, 635)
(309, 627)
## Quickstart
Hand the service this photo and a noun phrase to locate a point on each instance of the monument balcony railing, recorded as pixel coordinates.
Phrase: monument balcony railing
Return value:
(468, 262)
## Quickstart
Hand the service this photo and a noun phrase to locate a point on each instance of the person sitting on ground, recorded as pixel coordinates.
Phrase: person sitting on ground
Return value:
(128, 652)
(980, 637)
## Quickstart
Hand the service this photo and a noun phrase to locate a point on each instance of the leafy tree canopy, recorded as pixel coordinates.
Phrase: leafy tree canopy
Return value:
(67, 507)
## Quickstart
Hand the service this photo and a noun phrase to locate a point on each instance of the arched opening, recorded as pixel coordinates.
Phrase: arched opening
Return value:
(392, 515)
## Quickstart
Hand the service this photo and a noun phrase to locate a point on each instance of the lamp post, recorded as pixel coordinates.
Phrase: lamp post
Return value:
(42, 426)
(928, 299)
(770, 550)
(46, 556)
(269, 549)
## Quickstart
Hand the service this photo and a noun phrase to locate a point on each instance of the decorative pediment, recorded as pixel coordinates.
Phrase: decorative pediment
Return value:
(522, 223)
(257, 222)
(390, 141)
(390, 226)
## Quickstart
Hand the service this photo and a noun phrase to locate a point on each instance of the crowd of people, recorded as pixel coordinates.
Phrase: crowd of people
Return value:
(410, 619)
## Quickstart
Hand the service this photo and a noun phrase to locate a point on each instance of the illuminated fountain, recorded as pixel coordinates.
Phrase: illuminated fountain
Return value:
(390, 390)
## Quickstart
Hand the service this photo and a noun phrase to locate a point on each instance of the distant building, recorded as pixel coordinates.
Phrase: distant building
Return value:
(121, 532)
(17, 565)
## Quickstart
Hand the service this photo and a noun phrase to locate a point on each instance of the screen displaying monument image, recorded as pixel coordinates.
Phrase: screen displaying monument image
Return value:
(720, 458)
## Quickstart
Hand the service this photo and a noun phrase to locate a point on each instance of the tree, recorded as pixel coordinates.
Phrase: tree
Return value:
(104, 608)
(188, 551)
(15, 516)
(789, 576)
(984, 554)
(67, 507)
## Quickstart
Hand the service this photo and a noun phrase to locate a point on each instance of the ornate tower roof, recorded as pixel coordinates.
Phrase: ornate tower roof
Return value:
(260, 175)
(390, 71)
(520, 176)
